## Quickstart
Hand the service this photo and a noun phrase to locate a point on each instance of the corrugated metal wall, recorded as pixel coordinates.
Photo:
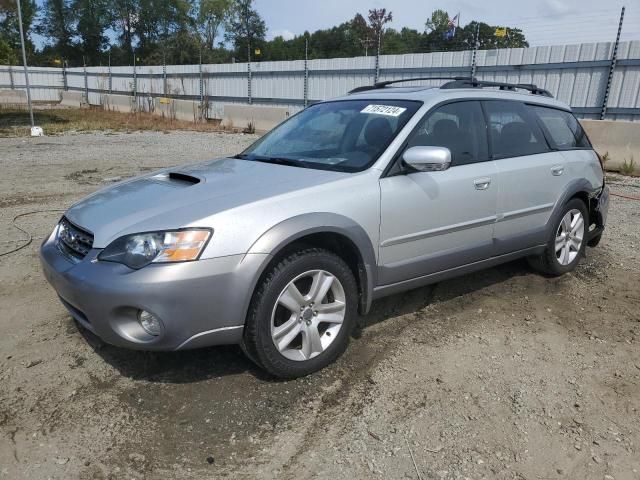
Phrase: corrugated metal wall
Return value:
(575, 74)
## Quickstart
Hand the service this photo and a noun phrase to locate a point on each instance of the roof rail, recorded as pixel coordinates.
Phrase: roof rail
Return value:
(475, 83)
(379, 85)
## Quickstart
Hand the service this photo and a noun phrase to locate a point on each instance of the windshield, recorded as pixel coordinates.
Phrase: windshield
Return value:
(347, 136)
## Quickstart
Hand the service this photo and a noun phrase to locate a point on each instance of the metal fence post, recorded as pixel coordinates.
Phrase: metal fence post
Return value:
(135, 84)
(201, 87)
(378, 57)
(306, 72)
(13, 85)
(110, 77)
(612, 67)
(86, 82)
(164, 75)
(65, 85)
(475, 51)
(249, 82)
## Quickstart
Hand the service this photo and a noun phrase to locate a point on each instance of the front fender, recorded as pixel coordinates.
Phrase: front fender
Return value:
(284, 233)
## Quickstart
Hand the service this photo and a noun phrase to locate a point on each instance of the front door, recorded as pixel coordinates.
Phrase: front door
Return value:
(434, 221)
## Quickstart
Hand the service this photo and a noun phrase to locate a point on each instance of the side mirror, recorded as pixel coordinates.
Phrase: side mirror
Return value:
(428, 159)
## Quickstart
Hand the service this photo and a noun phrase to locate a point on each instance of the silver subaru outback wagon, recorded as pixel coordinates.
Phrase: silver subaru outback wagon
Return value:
(280, 247)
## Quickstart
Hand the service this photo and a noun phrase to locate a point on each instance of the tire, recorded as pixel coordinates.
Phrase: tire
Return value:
(556, 260)
(310, 337)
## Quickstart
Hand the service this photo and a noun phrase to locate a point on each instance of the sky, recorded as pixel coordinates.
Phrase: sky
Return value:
(545, 22)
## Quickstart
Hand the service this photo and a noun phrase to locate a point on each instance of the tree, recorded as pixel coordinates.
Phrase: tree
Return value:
(438, 22)
(362, 33)
(378, 18)
(123, 15)
(93, 19)
(211, 16)
(487, 38)
(244, 27)
(57, 25)
(10, 31)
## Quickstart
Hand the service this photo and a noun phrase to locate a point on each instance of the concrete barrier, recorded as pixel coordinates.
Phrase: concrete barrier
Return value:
(262, 118)
(72, 99)
(117, 103)
(619, 138)
(185, 110)
(13, 97)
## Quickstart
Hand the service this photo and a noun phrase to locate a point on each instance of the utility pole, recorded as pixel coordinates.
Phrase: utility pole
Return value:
(26, 70)
(612, 67)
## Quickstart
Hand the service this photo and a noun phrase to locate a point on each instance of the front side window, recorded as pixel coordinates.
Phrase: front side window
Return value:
(562, 127)
(346, 135)
(513, 130)
(458, 126)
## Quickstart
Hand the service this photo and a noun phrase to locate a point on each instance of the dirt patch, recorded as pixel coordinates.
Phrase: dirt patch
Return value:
(500, 374)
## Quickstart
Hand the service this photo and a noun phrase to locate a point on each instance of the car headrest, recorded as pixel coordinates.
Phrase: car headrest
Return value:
(378, 132)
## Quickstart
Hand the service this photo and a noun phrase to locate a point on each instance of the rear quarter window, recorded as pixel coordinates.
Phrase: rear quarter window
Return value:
(561, 127)
(514, 132)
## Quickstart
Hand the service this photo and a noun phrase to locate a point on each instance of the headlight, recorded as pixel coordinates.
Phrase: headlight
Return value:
(141, 249)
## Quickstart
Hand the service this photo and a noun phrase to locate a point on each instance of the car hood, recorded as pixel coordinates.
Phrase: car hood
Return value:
(178, 197)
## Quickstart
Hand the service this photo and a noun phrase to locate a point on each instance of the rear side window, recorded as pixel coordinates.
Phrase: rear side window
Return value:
(458, 126)
(513, 130)
(562, 128)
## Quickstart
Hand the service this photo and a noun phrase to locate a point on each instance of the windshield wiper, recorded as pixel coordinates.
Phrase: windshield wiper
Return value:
(276, 160)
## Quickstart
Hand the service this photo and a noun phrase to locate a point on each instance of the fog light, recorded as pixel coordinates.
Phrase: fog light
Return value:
(150, 323)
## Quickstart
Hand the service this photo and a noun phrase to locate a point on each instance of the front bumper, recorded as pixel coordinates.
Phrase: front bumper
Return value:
(200, 303)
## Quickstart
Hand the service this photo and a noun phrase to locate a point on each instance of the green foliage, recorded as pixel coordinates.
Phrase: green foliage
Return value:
(628, 167)
(57, 24)
(183, 31)
(10, 32)
(245, 28)
(212, 14)
(7, 54)
(93, 19)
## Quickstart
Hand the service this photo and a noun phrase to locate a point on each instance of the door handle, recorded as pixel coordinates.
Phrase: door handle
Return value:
(557, 170)
(482, 183)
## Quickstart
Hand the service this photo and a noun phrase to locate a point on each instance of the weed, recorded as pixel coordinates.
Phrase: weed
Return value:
(628, 167)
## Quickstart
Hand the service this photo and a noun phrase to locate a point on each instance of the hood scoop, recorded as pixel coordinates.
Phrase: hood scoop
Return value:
(176, 179)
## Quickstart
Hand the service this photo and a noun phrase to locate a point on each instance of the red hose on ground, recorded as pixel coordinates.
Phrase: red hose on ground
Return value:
(624, 196)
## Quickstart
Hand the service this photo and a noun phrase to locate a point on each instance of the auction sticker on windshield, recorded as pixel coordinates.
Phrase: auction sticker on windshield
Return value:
(389, 110)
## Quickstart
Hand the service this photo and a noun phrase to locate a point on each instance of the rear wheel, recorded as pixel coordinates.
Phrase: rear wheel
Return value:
(567, 243)
(302, 314)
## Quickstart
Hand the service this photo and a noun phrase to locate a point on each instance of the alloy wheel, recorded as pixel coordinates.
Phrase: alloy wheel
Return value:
(569, 237)
(308, 315)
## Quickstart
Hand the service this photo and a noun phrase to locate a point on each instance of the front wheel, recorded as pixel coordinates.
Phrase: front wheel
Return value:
(301, 315)
(567, 243)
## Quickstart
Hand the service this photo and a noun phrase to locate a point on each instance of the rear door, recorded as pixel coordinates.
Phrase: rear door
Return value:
(434, 221)
(566, 135)
(530, 175)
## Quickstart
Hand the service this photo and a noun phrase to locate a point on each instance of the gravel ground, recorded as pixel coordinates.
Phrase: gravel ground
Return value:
(502, 374)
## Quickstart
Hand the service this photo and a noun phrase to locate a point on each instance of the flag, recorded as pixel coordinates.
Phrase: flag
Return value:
(451, 27)
(501, 32)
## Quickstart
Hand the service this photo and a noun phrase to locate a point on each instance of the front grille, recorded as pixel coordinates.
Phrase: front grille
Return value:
(74, 241)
